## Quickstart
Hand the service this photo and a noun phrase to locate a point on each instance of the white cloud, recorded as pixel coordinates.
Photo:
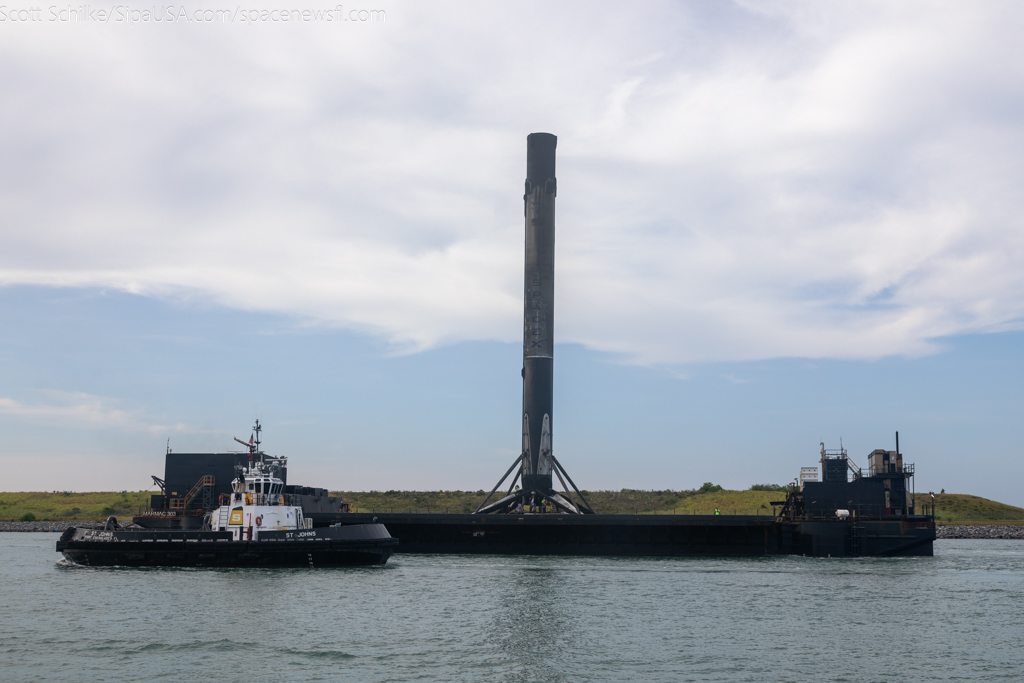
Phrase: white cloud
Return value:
(736, 182)
(75, 409)
(71, 408)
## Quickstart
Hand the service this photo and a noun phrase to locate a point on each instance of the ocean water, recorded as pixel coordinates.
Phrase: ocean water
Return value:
(953, 617)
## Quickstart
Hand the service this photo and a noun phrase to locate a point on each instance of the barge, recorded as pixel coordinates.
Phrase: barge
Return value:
(656, 535)
(850, 513)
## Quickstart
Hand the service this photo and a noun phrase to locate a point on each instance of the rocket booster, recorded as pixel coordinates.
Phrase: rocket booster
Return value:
(539, 310)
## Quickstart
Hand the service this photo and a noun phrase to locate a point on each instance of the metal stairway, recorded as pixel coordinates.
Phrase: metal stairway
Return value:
(204, 486)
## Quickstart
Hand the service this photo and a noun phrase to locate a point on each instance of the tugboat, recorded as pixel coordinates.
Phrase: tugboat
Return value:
(255, 528)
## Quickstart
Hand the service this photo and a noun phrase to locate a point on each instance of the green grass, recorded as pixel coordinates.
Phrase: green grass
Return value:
(71, 506)
(626, 501)
(962, 508)
(950, 508)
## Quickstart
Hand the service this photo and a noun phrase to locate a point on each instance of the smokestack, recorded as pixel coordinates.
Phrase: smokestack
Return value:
(539, 310)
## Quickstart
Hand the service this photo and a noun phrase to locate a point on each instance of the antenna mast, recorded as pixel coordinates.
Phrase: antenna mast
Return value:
(258, 429)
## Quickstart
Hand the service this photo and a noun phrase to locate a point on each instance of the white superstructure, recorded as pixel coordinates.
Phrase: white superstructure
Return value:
(257, 499)
(808, 474)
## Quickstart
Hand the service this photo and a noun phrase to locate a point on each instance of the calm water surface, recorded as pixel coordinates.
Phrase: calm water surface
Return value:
(953, 617)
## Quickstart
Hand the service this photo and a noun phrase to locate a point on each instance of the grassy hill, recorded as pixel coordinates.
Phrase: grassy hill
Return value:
(962, 508)
(950, 508)
(626, 501)
(71, 506)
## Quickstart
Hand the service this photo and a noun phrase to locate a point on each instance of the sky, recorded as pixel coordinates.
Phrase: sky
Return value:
(779, 224)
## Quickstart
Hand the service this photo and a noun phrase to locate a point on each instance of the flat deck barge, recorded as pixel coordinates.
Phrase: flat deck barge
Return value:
(652, 535)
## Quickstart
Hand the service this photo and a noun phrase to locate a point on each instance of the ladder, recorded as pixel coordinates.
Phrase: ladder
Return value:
(205, 486)
(855, 538)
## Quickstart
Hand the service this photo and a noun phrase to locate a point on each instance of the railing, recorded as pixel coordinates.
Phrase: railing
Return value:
(907, 469)
(204, 486)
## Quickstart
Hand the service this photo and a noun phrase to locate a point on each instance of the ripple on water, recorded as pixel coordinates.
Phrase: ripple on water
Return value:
(951, 617)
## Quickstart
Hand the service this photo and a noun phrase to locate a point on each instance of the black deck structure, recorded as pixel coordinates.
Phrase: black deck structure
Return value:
(196, 483)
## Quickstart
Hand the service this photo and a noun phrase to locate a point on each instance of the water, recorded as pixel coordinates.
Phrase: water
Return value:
(953, 617)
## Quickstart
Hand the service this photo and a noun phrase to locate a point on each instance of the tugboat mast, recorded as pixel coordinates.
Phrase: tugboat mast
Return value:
(258, 429)
(253, 444)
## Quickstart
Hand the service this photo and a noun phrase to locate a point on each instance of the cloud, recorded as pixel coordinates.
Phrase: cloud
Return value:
(78, 409)
(71, 407)
(735, 181)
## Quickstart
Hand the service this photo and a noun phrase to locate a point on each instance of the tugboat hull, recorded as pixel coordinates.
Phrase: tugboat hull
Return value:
(350, 546)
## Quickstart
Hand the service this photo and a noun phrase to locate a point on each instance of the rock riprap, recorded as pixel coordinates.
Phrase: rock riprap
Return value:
(979, 531)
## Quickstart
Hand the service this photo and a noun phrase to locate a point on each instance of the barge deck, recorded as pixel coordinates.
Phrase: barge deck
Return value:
(652, 535)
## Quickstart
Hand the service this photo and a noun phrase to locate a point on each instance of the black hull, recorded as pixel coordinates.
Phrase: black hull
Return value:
(653, 535)
(243, 554)
(363, 545)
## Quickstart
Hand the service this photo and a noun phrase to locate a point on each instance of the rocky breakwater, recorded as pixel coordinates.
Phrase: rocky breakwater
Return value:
(979, 531)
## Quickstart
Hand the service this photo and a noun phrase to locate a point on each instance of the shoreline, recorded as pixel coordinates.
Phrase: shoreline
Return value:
(950, 531)
(969, 531)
